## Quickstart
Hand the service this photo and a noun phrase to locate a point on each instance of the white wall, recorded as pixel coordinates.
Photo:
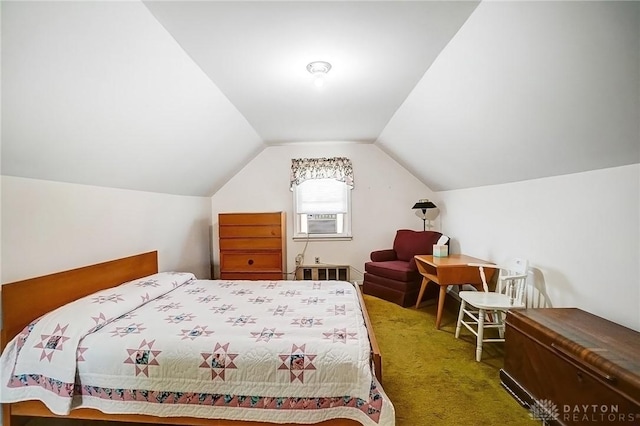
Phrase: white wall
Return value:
(580, 232)
(382, 198)
(50, 226)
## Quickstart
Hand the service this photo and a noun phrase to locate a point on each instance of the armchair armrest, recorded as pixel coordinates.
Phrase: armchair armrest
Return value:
(383, 255)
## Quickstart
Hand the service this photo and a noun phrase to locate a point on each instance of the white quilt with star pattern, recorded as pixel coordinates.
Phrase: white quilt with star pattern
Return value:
(171, 345)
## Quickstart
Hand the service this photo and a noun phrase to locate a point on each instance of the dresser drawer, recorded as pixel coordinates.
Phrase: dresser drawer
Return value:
(276, 218)
(250, 244)
(250, 231)
(251, 262)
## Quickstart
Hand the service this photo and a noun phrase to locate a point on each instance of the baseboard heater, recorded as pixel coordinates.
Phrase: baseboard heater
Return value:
(323, 273)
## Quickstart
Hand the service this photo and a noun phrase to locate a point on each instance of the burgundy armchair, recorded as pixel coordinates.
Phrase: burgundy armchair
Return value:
(393, 275)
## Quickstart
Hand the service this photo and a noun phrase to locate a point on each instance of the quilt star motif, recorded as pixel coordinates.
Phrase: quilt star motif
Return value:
(338, 310)
(195, 332)
(115, 298)
(297, 363)
(223, 308)
(208, 298)
(340, 335)
(49, 343)
(169, 306)
(143, 357)
(313, 301)
(132, 328)
(148, 283)
(266, 334)
(307, 321)
(271, 285)
(219, 361)
(281, 310)
(260, 300)
(242, 320)
(175, 319)
(290, 293)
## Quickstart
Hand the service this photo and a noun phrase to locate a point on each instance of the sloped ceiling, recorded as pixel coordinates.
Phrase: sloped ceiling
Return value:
(99, 93)
(176, 96)
(257, 53)
(525, 90)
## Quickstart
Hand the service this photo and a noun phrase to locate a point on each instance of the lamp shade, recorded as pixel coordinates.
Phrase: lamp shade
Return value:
(424, 204)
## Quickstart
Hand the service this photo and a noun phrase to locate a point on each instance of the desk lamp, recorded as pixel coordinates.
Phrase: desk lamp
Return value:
(423, 205)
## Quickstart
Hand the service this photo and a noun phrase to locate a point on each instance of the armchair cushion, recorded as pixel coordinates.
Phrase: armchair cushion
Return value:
(393, 269)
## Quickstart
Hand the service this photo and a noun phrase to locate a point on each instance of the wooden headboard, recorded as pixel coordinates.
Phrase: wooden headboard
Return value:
(24, 301)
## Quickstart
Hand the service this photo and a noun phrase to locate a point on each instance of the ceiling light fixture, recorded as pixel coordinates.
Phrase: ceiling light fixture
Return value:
(319, 70)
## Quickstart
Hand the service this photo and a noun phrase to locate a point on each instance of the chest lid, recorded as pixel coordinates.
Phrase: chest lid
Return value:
(608, 350)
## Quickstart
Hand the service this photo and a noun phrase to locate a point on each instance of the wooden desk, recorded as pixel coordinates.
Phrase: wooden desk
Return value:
(446, 271)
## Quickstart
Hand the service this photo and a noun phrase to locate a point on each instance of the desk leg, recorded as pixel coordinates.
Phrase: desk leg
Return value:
(423, 286)
(441, 297)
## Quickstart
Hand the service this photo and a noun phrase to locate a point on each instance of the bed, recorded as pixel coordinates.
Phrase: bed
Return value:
(25, 301)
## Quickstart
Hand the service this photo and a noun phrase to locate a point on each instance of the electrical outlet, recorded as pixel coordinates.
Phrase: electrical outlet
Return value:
(299, 259)
(317, 260)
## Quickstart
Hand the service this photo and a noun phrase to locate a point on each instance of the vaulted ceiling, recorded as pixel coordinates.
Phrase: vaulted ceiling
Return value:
(257, 54)
(177, 96)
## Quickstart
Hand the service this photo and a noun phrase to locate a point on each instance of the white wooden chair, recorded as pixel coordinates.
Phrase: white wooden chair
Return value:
(480, 310)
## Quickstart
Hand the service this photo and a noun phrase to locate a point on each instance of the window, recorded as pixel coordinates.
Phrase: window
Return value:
(322, 198)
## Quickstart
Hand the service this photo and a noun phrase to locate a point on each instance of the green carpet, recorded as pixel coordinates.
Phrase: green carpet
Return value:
(432, 378)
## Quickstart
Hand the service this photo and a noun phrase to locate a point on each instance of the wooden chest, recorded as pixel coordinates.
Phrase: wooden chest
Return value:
(571, 367)
(252, 246)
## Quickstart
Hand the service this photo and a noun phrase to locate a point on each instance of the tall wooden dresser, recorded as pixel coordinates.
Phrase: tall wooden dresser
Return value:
(575, 367)
(253, 246)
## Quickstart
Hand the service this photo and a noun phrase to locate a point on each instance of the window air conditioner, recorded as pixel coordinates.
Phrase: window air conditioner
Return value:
(322, 223)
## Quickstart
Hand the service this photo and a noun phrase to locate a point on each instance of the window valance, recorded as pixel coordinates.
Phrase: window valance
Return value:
(338, 168)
